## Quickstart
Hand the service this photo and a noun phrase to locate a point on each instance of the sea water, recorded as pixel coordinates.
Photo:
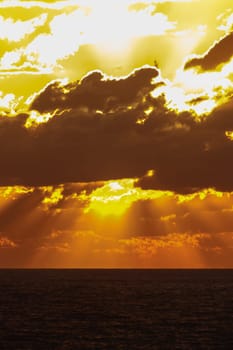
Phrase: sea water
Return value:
(116, 309)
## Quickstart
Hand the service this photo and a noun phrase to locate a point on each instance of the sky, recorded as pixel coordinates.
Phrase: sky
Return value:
(116, 134)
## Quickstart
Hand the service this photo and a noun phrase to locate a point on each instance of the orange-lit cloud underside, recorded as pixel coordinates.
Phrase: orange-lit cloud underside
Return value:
(114, 225)
(116, 133)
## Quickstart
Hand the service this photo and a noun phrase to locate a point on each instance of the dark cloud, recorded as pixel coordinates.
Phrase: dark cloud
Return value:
(197, 157)
(96, 93)
(80, 144)
(198, 100)
(219, 53)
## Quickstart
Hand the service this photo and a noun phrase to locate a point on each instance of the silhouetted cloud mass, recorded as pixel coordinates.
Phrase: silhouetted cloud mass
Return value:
(219, 53)
(91, 139)
(95, 92)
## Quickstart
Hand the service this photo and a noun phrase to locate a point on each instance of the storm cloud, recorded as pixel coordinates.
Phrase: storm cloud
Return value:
(100, 130)
(96, 93)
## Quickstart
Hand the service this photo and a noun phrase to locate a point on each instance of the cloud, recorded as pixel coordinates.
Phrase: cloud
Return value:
(114, 198)
(40, 4)
(47, 226)
(37, 41)
(221, 52)
(16, 31)
(103, 129)
(94, 92)
(195, 158)
(84, 24)
(47, 49)
(6, 243)
(7, 102)
(150, 245)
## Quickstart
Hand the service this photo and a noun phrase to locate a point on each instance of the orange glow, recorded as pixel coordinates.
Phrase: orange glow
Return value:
(106, 212)
(114, 198)
(98, 98)
(53, 196)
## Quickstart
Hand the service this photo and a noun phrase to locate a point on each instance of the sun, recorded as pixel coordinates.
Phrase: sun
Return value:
(114, 198)
(109, 28)
(113, 25)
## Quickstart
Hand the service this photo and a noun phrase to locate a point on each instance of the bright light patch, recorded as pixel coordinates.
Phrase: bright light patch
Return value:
(200, 195)
(7, 102)
(189, 85)
(108, 25)
(113, 26)
(227, 22)
(42, 4)
(15, 31)
(35, 119)
(9, 59)
(14, 191)
(150, 173)
(115, 186)
(115, 197)
(229, 135)
(53, 196)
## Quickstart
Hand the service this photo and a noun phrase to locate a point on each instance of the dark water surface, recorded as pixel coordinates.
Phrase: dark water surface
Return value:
(116, 309)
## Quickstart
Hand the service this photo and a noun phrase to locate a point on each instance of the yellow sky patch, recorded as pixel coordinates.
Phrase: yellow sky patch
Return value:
(95, 24)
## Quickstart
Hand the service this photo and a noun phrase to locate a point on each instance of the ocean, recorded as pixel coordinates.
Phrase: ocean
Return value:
(116, 309)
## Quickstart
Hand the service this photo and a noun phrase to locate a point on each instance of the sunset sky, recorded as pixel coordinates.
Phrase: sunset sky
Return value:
(116, 133)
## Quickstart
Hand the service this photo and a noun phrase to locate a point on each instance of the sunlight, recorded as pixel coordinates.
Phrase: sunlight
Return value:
(7, 102)
(52, 195)
(115, 197)
(102, 28)
(127, 96)
(10, 194)
(16, 31)
(35, 119)
(229, 135)
(196, 92)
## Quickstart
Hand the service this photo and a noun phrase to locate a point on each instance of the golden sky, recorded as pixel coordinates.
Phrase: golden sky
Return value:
(116, 133)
